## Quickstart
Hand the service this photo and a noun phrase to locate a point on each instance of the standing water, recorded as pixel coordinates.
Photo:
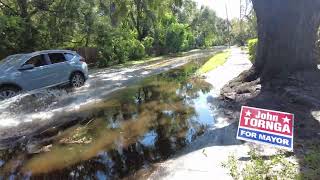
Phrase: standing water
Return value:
(133, 128)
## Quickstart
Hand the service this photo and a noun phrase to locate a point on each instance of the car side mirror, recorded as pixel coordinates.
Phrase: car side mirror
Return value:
(26, 67)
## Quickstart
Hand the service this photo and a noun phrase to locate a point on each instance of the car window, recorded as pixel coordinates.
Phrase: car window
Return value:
(69, 56)
(37, 61)
(56, 58)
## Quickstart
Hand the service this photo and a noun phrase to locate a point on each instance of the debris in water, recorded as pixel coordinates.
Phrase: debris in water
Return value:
(204, 153)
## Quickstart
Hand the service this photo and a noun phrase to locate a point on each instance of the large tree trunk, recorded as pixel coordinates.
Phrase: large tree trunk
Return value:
(287, 31)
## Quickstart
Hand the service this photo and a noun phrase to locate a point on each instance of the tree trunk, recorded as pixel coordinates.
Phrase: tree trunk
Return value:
(287, 31)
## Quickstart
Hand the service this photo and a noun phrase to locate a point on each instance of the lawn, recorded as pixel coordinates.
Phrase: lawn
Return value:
(216, 61)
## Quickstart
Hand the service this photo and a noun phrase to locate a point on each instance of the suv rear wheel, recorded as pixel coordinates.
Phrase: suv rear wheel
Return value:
(7, 92)
(77, 80)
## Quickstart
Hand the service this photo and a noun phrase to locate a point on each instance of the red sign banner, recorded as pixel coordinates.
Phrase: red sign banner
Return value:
(266, 126)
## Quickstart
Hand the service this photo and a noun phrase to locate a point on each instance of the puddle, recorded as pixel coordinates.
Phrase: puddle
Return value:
(136, 127)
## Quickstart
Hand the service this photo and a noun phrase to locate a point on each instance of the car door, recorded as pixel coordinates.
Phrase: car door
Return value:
(60, 68)
(39, 76)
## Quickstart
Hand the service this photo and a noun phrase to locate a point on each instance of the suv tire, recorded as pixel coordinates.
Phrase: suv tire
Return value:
(7, 92)
(77, 80)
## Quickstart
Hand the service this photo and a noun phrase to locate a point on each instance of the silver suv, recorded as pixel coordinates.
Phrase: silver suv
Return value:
(42, 69)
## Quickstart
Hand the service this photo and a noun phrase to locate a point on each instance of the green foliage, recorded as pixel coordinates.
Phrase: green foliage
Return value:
(209, 29)
(242, 31)
(115, 46)
(313, 159)
(274, 167)
(188, 41)
(232, 165)
(252, 47)
(245, 27)
(148, 43)
(120, 30)
(176, 37)
(136, 49)
(11, 30)
(312, 164)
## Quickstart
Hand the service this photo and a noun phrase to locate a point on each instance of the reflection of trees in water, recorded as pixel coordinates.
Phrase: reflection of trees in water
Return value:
(119, 124)
(87, 170)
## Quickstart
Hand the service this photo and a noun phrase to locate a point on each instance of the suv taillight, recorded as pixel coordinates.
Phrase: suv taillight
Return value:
(82, 59)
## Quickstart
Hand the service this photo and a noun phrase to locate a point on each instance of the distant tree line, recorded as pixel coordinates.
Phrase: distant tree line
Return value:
(120, 30)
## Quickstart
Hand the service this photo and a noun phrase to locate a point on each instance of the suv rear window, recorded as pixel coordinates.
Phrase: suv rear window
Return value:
(56, 58)
(69, 56)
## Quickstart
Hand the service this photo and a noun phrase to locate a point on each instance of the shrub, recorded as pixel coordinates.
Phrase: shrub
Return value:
(118, 46)
(175, 37)
(11, 31)
(148, 43)
(189, 41)
(274, 167)
(252, 46)
(136, 50)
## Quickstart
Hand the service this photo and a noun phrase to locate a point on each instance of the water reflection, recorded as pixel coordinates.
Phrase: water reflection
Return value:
(138, 126)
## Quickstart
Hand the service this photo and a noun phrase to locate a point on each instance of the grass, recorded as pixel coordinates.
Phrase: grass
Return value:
(311, 163)
(278, 166)
(272, 168)
(216, 61)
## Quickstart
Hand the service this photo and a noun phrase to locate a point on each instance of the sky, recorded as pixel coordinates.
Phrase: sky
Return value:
(219, 6)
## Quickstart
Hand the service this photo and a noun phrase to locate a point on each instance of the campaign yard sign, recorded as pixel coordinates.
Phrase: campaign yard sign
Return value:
(266, 126)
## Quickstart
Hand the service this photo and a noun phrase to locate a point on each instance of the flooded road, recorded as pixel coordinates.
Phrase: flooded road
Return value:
(113, 138)
(34, 111)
